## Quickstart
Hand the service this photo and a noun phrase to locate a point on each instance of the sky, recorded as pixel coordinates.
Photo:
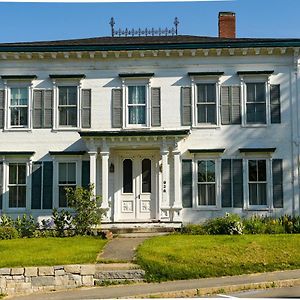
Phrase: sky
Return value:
(56, 21)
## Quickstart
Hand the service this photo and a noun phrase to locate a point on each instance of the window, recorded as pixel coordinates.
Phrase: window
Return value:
(206, 103)
(67, 106)
(146, 175)
(256, 103)
(137, 105)
(257, 182)
(17, 185)
(67, 178)
(19, 107)
(206, 183)
(127, 176)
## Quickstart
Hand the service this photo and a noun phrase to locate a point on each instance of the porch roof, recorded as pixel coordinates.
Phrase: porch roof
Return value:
(134, 133)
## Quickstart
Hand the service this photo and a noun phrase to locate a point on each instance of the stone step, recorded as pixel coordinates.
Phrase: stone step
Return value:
(123, 230)
(119, 276)
(140, 234)
(116, 266)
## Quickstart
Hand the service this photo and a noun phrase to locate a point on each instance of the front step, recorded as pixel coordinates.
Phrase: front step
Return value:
(147, 227)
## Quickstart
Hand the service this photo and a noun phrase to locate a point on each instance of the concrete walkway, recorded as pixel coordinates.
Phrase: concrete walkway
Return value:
(176, 288)
(123, 247)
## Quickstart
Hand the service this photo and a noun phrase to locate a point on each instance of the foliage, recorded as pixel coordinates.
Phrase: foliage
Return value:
(87, 208)
(62, 221)
(8, 233)
(6, 221)
(50, 251)
(185, 256)
(229, 224)
(25, 225)
(194, 229)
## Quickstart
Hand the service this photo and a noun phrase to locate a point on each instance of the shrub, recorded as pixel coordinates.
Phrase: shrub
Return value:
(229, 224)
(254, 225)
(8, 233)
(194, 229)
(296, 224)
(26, 226)
(87, 208)
(62, 221)
(6, 221)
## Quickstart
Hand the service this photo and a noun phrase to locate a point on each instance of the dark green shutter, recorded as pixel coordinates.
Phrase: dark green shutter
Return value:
(235, 105)
(48, 109)
(1, 182)
(155, 107)
(187, 183)
(275, 103)
(36, 185)
(2, 97)
(117, 108)
(237, 183)
(186, 106)
(277, 183)
(85, 174)
(225, 105)
(230, 105)
(42, 108)
(226, 183)
(47, 185)
(86, 108)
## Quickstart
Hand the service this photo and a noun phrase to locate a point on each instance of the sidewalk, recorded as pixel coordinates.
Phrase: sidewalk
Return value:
(177, 288)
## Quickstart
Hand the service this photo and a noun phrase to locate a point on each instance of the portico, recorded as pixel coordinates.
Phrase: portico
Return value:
(137, 173)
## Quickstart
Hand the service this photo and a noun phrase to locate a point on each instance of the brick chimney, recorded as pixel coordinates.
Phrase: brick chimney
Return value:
(226, 24)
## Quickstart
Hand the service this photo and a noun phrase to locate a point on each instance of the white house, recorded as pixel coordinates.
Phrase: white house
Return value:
(170, 129)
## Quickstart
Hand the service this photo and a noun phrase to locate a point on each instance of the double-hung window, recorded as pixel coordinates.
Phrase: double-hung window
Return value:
(19, 107)
(137, 104)
(66, 179)
(67, 106)
(257, 182)
(206, 103)
(256, 103)
(17, 185)
(206, 182)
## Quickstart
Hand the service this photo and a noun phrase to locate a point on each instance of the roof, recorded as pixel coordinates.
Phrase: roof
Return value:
(147, 43)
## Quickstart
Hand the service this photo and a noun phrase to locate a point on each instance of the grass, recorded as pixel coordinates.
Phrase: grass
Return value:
(49, 251)
(188, 256)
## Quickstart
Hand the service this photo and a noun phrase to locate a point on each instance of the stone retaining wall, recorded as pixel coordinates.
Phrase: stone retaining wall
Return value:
(32, 279)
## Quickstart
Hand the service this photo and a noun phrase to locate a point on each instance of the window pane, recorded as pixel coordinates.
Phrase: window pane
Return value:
(210, 165)
(146, 176)
(262, 176)
(211, 114)
(13, 196)
(202, 171)
(250, 92)
(62, 173)
(253, 194)
(211, 93)
(63, 95)
(72, 173)
(19, 96)
(136, 94)
(22, 173)
(260, 92)
(201, 113)
(201, 194)
(72, 95)
(72, 116)
(260, 111)
(23, 111)
(13, 173)
(63, 116)
(201, 93)
(22, 196)
(262, 194)
(127, 176)
(62, 197)
(252, 169)
(137, 115)
(211, 194)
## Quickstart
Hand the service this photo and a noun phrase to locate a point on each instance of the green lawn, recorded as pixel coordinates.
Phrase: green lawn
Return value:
(49, 251)
(189, 256)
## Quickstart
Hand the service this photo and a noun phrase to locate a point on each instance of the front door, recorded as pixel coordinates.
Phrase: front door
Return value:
(137, 186)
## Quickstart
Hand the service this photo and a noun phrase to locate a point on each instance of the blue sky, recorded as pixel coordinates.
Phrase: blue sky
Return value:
(52, 21)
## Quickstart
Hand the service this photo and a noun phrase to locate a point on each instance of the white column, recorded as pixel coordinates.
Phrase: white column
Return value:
(177, 206)
(93, 168)
(165, 203)
(105, 157)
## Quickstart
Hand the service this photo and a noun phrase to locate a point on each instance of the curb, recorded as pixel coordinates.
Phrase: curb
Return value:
(223, 289)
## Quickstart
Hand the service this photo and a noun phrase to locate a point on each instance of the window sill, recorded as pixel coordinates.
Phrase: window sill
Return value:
(65, 129)
(257, 208)
(16, 129)
(205, 126)
(255, 125)
(206, 208)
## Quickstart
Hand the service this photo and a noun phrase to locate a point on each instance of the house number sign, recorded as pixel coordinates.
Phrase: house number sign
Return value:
(165, 187)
